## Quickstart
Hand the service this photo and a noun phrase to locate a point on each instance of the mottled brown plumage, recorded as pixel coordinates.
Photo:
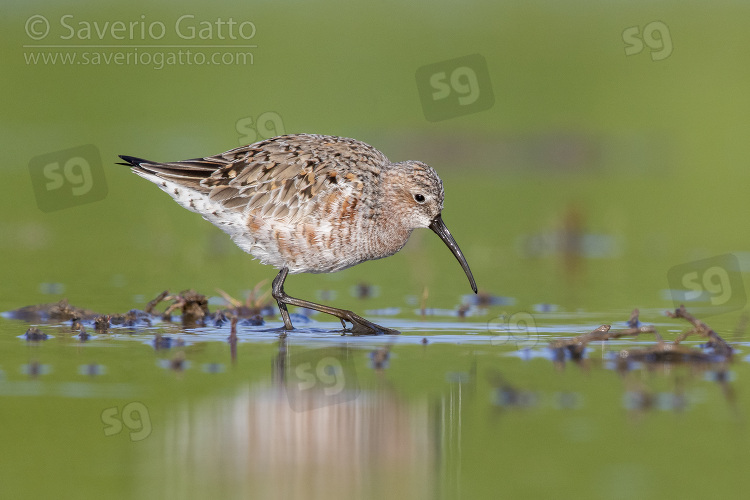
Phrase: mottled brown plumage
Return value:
(308, 203)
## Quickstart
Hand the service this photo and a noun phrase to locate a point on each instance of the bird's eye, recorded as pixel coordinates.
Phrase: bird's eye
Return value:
(419, 198)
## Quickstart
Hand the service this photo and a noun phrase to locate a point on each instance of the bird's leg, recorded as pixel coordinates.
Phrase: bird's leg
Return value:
(360, 325)
(277, 291)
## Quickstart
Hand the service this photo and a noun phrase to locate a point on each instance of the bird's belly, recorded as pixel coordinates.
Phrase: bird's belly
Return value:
(305, 247)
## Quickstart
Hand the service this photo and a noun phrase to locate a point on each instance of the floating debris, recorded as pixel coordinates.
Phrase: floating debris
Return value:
(192, 306)
(58, 311)
(101, 323)
(75, 324)
(34, 334)
(133, 318)
(255, 307)
(715, 342)
(576, 346)
(661, 352)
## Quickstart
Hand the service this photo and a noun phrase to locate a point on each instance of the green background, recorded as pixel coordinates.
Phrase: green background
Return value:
(649, 156)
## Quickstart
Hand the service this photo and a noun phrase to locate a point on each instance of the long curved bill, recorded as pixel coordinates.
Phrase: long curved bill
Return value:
(441, 230)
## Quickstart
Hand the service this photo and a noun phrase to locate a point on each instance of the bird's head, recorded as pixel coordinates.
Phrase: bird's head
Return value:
(418, 202)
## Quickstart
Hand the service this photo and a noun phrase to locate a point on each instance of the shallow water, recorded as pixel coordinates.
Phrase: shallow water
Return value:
(443, 410)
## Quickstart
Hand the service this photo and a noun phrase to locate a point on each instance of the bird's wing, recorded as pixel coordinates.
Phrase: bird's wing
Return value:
(277, 178)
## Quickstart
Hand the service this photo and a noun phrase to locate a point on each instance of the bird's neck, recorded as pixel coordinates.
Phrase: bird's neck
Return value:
(388, 237)
(388, 231)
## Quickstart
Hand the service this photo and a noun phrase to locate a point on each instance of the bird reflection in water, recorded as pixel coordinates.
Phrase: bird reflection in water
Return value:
(309, 432)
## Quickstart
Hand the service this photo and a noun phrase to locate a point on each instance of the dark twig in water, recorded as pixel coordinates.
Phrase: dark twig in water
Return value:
(665, 352)
(634, 322)
(718, 344)
(251, 312)
(635, 328)
(577, 345)
(153, 303)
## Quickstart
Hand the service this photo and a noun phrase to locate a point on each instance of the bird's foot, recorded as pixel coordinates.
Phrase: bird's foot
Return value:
(361, 326)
